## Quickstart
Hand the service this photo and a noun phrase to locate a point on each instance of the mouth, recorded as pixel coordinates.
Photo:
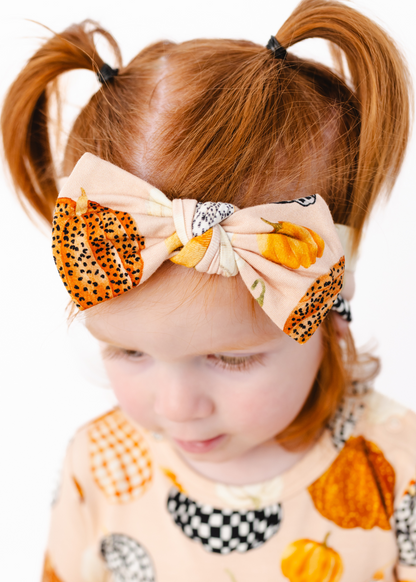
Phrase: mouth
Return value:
(200, 446)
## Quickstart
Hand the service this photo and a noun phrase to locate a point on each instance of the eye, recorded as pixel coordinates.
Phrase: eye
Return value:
(236, 363)
(112, 352)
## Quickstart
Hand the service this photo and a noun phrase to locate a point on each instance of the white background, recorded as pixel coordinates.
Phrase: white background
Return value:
(51, 381)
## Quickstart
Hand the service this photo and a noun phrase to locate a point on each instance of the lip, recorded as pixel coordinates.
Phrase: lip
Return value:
(200, 446)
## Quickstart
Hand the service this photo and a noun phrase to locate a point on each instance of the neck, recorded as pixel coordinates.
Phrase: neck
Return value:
(262, 463)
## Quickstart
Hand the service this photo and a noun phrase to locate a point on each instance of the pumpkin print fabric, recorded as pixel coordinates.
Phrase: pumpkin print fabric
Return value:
(97, 250)
(131, 509)
(112, 231)
(127, 560)
(311, 561)
(405, 518)
(120, 460)
(357, 490)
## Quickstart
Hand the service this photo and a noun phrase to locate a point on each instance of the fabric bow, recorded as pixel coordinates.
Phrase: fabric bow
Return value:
(288, 253)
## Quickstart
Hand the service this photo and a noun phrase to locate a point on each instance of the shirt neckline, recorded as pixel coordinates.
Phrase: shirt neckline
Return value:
(288, 484)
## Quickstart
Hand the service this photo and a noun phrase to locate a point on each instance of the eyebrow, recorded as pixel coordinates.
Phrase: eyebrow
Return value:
(253, 342)
(241, 345)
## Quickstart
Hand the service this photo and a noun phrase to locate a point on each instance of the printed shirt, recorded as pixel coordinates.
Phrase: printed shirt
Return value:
(130, 509)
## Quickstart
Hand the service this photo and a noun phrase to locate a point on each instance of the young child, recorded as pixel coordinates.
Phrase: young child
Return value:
(214, 196)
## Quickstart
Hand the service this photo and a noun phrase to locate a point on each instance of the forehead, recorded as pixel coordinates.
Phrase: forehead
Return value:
(179, 309)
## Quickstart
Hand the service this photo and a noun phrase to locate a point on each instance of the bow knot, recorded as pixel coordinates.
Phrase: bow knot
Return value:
(205, 244)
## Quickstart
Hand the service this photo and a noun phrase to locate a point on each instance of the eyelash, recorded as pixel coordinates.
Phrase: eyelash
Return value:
(237, 363)
(110, 353)
(233, 363)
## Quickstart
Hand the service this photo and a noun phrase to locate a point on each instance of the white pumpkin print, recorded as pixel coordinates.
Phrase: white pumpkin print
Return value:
(250, 496)
(381, 409)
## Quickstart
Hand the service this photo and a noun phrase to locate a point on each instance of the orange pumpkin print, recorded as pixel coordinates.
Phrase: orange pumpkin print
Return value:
(97, 250)
(358, 488)
(120, 459)
(290, 245)
(79, 489)
(49, 574)
(172, 477)
(194, 250)
(384, 572)
(311, 310)
(310, 561)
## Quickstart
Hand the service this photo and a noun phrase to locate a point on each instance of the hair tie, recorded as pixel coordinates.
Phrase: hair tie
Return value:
(278, 51)
(106, 73)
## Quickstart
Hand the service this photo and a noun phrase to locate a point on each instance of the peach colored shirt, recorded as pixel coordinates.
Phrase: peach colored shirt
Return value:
(130, 509)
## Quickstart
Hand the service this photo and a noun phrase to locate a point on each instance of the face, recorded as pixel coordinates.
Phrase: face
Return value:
(196, 359)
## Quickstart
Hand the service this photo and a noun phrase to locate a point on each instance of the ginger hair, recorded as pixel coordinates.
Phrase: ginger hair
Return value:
(223, 120)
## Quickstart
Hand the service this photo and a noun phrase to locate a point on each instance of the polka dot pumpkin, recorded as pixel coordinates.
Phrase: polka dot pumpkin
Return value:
(120, 460)
(97, 251)
(311, 310)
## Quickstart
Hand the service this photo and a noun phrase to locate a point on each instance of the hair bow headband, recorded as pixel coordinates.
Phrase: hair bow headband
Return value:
(288, 253)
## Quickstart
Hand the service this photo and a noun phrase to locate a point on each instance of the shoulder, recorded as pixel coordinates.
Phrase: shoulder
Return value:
(387, 426)
(108, 435)
(108, 428)
(367, 410)
(390, 423)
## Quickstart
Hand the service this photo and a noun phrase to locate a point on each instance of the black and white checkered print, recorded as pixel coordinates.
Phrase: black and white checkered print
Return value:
(127, 560)
(342, 307)
(223, 530)
(305, 201)
(342, 424)
(405, 519)
(208, 214)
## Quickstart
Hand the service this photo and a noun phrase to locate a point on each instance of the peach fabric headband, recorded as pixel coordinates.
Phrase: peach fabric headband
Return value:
(112, 231)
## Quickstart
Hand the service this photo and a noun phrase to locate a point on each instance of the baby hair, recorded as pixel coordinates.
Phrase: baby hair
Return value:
(224, 120)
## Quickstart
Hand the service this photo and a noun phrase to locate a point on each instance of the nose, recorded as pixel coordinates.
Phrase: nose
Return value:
(179, 396)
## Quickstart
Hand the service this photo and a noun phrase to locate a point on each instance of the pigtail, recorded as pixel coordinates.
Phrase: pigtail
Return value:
(382, 87)
(25, 118)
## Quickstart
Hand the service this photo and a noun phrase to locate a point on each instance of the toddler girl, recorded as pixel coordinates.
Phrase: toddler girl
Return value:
(211, 202)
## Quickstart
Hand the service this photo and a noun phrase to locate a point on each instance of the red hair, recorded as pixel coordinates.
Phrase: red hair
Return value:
(223, 120)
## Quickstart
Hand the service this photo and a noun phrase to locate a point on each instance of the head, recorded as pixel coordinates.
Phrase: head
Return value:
(222, 120)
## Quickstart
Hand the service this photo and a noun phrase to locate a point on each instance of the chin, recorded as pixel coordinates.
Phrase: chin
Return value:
(220, 454)
(216, 457)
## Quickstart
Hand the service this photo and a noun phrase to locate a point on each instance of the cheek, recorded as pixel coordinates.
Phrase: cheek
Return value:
(268, 409)
(278, 392)
(132, 397)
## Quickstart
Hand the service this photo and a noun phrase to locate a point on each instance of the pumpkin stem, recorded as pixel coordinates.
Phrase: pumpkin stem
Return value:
(276, 225)
(324, 543)
(82, 204)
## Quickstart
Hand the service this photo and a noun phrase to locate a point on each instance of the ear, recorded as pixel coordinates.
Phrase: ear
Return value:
(341, 326)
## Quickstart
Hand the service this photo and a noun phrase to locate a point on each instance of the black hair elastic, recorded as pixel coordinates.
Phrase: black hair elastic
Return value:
(106, 73)
(278, 51)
